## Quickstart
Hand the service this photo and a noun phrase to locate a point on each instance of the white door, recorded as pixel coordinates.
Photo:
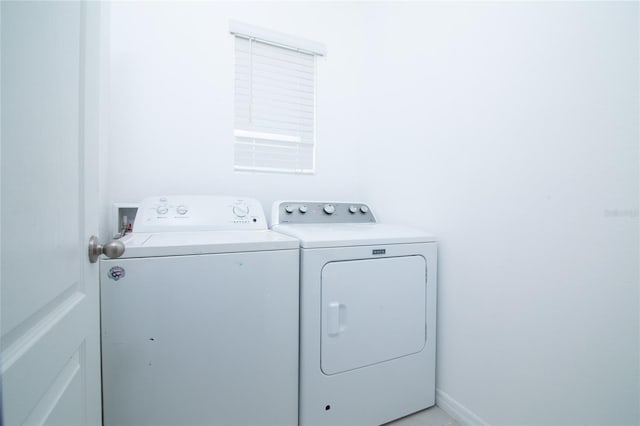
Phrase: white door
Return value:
(373, 310)
(50, 350)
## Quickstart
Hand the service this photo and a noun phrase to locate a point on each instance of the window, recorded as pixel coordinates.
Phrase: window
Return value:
(275, 101)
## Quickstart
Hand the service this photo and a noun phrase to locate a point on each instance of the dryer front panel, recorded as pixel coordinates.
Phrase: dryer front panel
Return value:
(373, 310)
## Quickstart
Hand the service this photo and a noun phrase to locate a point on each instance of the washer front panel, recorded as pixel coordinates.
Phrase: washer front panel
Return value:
(201, 340)
(373, 311)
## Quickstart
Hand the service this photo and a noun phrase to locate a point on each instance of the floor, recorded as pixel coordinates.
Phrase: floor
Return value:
(433, 416)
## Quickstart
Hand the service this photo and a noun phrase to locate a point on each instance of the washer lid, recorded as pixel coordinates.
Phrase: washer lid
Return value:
(353, 234)
(205, 242)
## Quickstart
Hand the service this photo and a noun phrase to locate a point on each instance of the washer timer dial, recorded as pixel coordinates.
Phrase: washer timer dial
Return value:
(241, 210)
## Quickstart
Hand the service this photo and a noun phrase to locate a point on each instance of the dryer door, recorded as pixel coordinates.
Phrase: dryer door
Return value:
(373, 310)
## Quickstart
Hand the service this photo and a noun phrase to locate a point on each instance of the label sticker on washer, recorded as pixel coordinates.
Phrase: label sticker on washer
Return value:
(379, 251)
(116, 272)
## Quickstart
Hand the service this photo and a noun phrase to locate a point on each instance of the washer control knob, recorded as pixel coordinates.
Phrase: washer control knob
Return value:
(289, 209)
(364, 209)
(241, 210)
(353, 209)
(162, 209)
(329, 209)
(302, 209)
(182, 209)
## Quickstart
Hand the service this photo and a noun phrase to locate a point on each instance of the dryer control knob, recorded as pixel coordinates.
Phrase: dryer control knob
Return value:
(162, 210)
(353, 209)
(289, 209)
(302, 209)
(182, 209)
(329, 209)
(364, 209)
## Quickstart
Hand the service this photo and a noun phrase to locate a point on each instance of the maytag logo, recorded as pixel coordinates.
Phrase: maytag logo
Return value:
(116, 272)
(379, 251)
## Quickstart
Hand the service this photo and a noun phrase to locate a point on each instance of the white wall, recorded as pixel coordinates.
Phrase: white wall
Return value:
(511, 131)
(172, 100)
(508, 129)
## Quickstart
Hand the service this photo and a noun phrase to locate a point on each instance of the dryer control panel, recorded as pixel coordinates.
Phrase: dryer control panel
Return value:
(321, 212)
(186, 213)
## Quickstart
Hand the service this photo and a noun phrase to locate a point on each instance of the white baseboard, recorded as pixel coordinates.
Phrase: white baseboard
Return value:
(456, 410)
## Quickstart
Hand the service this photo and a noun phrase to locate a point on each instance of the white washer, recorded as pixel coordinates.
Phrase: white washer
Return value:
(200, 317)
(367, 314)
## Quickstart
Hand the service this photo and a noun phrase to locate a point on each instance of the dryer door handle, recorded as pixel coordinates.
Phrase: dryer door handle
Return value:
(336, 318)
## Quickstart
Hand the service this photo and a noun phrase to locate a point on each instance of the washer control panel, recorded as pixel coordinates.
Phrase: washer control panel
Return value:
(321, 212)
(198, 213)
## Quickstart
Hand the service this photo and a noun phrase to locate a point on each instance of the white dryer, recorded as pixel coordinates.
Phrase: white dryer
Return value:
(200, 317)
(367, 314)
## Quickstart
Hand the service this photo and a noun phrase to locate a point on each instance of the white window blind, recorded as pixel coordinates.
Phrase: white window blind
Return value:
(275, 105)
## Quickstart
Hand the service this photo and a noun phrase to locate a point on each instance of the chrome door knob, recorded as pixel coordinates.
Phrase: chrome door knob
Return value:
(113, 249)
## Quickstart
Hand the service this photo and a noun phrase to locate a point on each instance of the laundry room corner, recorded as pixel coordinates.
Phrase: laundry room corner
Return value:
(510, 130)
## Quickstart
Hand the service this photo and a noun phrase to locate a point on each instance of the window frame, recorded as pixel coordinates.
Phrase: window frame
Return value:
(283, 41)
